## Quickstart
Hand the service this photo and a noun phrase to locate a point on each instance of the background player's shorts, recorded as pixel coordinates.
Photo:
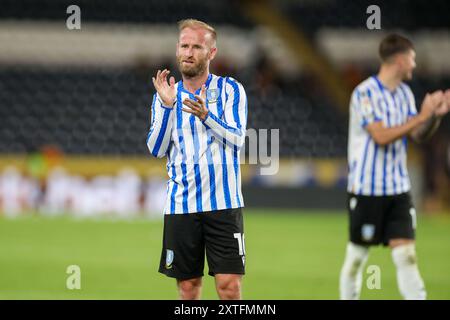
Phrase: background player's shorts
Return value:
(187, 236)
(375, 220)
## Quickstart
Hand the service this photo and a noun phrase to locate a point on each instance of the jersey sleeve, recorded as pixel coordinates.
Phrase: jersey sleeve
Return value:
(158, 138)
(231, 128)
(364, 105)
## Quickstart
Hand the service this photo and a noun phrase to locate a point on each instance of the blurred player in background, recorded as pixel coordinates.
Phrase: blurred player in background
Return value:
(12, 195)
(382, 116)
(199, 123)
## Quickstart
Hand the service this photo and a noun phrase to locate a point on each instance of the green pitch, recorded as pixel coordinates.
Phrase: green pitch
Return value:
(289, 256)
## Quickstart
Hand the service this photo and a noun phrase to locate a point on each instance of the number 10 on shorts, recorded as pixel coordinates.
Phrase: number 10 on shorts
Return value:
(241, 242)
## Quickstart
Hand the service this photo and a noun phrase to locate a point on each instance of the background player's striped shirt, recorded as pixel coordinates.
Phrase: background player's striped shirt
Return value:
(376, 170)
(203, 157)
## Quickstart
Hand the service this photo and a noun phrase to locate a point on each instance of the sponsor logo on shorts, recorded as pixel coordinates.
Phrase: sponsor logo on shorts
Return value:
(367, 232)
(353, 203)
(169, 259)
(412, 212)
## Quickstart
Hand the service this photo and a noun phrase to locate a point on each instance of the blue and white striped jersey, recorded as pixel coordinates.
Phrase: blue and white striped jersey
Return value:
(376, 170)
(203, 157)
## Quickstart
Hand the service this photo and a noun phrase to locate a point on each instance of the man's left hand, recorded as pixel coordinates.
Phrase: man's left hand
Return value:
(444, 107)
(197, 107)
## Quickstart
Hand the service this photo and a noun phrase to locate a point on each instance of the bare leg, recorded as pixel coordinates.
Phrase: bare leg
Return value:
(228, 286)
(409, 281)
(190, 289)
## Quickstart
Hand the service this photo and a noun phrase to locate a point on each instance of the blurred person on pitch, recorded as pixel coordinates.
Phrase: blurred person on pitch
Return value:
(12, 192)
(382, 116)
(127, 193)
(57, 192)
(199, 123)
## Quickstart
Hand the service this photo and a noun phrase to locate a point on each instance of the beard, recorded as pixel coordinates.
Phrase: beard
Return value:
(192, 70)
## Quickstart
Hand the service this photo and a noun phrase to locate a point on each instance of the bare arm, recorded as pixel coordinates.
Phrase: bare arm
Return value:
(383, 135)
(420, 127)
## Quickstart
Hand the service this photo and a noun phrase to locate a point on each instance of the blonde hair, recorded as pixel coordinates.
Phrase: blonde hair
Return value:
(197, 24)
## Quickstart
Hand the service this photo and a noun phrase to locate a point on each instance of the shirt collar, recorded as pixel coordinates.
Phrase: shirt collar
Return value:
(197, 92)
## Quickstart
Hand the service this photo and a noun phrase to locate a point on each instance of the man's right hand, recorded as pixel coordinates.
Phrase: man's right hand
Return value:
(444, 107)
(166, 90)
(430, 103)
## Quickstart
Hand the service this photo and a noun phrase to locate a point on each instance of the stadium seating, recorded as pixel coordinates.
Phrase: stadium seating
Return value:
(309, 14)
(107, 111)
(136, 11)
(313, 15)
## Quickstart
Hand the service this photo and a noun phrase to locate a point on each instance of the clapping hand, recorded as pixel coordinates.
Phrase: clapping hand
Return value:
(444, 106)
(197, 107)
(166, 90)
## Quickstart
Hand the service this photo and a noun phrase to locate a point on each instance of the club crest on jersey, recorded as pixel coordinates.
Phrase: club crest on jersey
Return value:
(212, 95)
(367, 232)
(169, 259)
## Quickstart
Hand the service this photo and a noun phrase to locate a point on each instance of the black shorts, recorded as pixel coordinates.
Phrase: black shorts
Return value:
(187, 236)
(376, 220)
